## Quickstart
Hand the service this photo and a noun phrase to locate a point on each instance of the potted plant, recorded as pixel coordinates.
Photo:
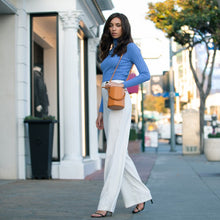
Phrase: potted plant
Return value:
(212, 147)
(40, 132)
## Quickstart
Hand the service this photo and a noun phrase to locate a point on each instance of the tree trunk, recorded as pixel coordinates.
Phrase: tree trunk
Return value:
(200, 85)
(201, 119)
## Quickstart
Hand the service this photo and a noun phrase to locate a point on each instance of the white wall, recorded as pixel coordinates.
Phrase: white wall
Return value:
(49, 5)
(8, 135)
(15, 90)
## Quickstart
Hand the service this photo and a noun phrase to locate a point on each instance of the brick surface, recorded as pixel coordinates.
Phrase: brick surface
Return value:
(143, 162)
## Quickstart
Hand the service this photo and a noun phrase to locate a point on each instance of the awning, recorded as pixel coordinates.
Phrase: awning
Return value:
(7, 8)
(105, 4)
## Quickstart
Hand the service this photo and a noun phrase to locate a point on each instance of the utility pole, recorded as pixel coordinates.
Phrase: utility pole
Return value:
(171, 96)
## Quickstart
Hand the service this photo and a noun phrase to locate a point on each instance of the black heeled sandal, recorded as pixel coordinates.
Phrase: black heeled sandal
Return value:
(139, 210)
(100, 215)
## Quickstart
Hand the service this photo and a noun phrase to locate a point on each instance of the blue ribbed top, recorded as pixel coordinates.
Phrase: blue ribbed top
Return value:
(132, 56)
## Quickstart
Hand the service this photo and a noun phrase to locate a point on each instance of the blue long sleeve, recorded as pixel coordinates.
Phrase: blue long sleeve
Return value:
(132, 56)
(137, 59)
(101, 106)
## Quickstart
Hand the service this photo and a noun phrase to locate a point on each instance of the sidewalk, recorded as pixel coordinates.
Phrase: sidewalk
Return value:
(183, 187)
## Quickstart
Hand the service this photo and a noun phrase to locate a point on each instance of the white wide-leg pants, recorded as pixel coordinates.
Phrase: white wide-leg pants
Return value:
(120, 172)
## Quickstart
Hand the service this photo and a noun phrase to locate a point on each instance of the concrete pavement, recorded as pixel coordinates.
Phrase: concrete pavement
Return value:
(183, 187)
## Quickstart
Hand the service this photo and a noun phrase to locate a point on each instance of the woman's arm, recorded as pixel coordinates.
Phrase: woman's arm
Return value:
(99, 121)
(136, 58)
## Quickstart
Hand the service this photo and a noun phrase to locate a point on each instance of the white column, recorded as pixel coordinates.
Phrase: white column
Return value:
(93, 139)
(71, 87)
(22, 77)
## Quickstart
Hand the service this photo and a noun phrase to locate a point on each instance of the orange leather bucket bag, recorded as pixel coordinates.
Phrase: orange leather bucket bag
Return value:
(116, 98)
(116, 95)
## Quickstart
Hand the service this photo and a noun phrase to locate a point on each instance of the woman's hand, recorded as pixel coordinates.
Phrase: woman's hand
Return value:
(110, 84)
(99, 121)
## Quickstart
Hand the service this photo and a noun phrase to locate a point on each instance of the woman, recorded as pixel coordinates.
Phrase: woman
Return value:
(120, 172)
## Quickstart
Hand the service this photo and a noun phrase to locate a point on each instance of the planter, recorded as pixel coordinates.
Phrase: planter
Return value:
(212, 149)
(41, 147)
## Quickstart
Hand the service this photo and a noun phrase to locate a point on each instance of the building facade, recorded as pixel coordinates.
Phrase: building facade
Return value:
(48, 67)
(185, 84)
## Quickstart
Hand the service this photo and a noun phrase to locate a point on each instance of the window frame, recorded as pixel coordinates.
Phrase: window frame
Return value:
(32, 15)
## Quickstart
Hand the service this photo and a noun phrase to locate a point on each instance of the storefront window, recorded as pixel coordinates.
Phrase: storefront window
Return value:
(44, 71)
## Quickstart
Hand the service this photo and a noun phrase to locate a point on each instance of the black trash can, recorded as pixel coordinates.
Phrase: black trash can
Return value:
(41, 147)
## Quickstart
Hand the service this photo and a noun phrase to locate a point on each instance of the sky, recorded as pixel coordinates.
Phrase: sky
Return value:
(152, 42)
(201, 60)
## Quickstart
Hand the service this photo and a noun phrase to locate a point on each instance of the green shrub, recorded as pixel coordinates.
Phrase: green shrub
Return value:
(217, 135)
(30, 117)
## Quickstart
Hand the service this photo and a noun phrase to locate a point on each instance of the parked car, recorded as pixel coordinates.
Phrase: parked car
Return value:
(164, 132)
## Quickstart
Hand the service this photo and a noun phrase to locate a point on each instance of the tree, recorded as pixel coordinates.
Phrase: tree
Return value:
(189, 23)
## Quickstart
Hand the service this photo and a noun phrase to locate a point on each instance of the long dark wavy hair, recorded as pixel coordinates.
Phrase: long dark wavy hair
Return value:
(107, 40)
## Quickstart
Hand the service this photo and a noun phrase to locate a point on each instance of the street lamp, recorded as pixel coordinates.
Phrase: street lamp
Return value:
(172, 95)
(142, 113)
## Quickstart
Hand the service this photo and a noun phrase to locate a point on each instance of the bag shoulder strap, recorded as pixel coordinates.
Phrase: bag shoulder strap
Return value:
(116, 68)
(130, 72)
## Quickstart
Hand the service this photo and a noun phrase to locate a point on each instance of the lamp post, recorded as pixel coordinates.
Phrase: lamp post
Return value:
(172, 95)
(142, 112)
